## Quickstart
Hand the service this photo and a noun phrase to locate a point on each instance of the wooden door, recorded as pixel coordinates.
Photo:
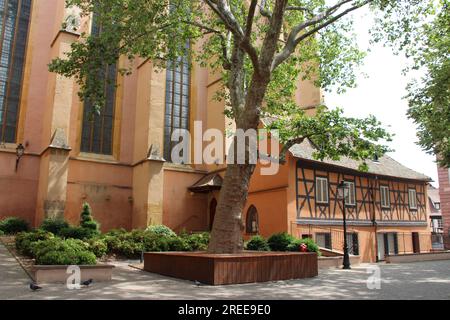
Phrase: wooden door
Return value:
(416, 242)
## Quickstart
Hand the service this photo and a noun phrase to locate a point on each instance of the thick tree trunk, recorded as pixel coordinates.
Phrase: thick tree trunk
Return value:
(226, 236)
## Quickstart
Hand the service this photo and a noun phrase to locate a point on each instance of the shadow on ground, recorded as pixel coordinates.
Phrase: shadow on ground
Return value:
(427, 280)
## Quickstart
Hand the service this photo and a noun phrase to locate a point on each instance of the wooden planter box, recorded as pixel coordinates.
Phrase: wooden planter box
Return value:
(58, 274)
(219, 269)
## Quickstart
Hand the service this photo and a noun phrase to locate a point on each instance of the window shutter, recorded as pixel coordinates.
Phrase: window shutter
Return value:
(355, 244)
(396, 243)
(328, 241)
(386, 244)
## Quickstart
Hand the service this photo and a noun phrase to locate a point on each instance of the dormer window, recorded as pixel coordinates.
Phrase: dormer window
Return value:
(376, 158)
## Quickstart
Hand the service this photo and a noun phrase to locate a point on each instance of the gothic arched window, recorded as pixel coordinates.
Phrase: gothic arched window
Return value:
(252, 223)
(98, 129)
(177, 112)
(14, 27)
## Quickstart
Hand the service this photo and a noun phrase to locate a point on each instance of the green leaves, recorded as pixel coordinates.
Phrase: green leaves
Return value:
(334, 135)
(421, 30)
(325, 52)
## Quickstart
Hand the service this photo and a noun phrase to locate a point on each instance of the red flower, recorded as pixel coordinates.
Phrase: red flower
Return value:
(303, 248)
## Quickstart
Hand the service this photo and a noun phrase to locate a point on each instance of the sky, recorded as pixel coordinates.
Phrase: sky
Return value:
(380, 92)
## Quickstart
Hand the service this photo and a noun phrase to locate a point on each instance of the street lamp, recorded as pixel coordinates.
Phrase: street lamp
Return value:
(20, 150)
(343, 191)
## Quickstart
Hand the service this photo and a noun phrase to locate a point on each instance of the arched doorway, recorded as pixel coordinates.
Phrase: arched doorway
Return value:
(212, 212)
(252, 221)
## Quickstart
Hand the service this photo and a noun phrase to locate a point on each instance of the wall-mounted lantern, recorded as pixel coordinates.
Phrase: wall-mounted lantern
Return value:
(20, 151)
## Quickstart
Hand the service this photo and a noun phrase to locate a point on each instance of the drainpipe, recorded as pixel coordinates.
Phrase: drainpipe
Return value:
(374, 222)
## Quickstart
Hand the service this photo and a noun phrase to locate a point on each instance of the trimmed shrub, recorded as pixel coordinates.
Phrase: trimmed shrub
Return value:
(161, 230)
(197, 241)
(258, 243)
(26, 241)
(54, 225)
(280, 241)
(157, 243)
(1, 233)
(63, 252)
(178, 244)
(312, 246)
(129, 249)
(122, 243)
(77, 233)
(98, 247)
(86, 220)
(13, 225)
(115, 232)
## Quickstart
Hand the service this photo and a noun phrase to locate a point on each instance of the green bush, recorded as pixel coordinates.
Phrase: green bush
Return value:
(63, 252)
(77, 233)
(115, 232)
(86, 220)
(161, 230)
(54, 225)
(197, 241)
(280, 241)
(312, 246)
(98, 247)
(13, 225)
(178, 244)
(26, 241)
(157, 243)
(122, 243)
(129, 249)
(1, 233)
(258, 243)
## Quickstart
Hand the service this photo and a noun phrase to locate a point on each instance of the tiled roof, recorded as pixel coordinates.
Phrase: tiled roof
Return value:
(386, 166)
(433, 194)
(208, 183)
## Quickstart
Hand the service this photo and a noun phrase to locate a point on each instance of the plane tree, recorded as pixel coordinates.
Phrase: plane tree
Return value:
(261, 48)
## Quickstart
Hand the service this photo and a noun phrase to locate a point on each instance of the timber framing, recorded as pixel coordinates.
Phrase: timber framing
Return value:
(367, 209)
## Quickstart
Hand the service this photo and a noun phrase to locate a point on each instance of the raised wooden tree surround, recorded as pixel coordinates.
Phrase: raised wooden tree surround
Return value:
(225, 269)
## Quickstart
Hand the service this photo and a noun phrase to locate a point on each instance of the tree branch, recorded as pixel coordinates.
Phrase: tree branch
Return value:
(332, 20)
(270, 43)
(223, 41)
(222, 9)
(293, 41)
(263, 11)
(250, 17)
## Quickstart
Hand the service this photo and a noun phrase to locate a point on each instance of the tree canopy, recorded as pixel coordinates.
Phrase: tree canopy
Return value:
(261, 48)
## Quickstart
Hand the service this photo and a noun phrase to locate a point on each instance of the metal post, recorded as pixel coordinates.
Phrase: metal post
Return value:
(346, 255)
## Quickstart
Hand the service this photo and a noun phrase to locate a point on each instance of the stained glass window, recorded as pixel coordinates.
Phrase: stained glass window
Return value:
(177, 101)
(98, 129)
(14, 27)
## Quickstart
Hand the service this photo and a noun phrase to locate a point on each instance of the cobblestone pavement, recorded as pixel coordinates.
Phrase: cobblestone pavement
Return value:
(425, 280)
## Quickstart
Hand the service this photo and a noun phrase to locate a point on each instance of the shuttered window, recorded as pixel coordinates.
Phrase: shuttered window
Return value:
(412, 199)
(14, 27)
(323, 240)
(350, 199)
(385, 197)
(322, 190)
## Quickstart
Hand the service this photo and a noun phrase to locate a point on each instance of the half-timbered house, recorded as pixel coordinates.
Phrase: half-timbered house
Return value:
(386, 206)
